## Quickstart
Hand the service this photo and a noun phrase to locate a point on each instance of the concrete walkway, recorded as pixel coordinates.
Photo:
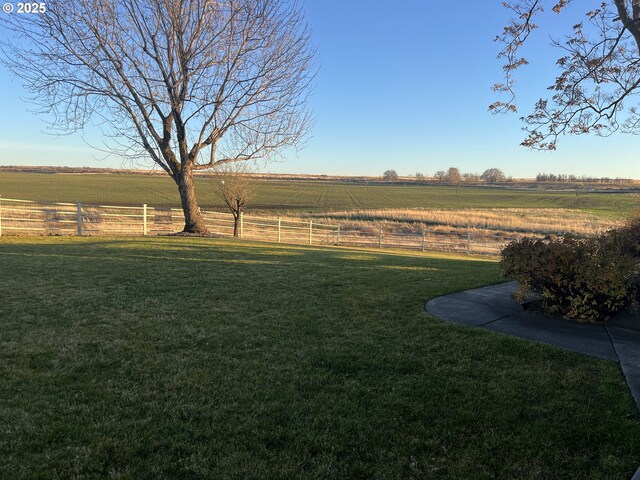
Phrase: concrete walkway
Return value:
(492, 308)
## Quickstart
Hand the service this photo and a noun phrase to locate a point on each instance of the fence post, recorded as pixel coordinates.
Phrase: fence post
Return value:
(0, 215)
(241, 224)
(338, 236)
(279, 229)
(79, 218)
(379, 236)
(468, 243)
(424, 239)
(144, 219)
(310, 232)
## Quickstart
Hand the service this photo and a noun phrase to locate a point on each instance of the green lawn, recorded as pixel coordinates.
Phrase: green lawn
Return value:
(300, 196)
(188, 358)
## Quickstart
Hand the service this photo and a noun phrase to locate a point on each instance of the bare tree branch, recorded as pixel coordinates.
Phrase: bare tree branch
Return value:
(599, 71)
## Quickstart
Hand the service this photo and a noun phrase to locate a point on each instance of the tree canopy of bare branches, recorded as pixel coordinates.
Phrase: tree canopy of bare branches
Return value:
(390, 176)
(236, 187)
(493, 175)
(188, 84)
(454, 175)
(598, 82)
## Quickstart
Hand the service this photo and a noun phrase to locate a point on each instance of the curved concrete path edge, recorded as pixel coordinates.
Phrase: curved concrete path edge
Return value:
(492, 308)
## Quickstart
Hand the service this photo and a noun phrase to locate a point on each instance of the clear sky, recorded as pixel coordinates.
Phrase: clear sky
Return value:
(402, 85)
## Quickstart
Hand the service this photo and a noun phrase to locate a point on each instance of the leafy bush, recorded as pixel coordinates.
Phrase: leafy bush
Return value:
(627, 237)
(586, 279)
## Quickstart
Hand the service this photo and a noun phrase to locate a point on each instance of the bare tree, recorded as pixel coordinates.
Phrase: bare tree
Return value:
(440, 176)
(236, 187)
(453, 175)
(493, 175)
(469, 177)
(390, 176)
(189, 84)
(599, 70)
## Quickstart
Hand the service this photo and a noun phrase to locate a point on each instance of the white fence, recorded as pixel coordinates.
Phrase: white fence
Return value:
(424, 240)
(23, 217)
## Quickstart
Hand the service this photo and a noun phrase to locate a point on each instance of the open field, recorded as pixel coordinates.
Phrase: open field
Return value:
(199, 358)
(292, 196)
(508, 220)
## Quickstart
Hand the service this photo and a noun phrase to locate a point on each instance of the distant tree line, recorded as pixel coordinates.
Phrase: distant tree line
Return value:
(565, 178)
(454, 176)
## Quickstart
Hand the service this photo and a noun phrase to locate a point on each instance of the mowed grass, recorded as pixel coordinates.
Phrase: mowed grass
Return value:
(188, 358)
(301, 196)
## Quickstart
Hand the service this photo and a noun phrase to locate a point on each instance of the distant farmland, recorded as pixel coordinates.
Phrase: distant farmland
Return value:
(304, 196)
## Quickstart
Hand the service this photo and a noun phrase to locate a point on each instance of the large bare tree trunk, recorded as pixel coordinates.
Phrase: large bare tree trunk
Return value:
(193, 220)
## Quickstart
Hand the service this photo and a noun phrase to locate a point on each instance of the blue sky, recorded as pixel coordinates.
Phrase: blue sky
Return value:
(401, 85)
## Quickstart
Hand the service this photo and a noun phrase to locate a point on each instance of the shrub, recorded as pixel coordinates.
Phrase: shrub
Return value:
(627, 237)
(586, 279)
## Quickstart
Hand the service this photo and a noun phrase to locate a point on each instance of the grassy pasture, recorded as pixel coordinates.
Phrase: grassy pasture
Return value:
(201, 358)
(300, 196)
(527, 220)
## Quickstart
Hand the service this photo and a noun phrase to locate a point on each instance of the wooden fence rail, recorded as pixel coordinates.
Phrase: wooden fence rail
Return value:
(24, 217)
